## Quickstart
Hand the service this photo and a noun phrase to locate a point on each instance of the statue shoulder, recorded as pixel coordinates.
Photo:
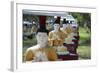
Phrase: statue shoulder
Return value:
(52, 31)
(33, 48)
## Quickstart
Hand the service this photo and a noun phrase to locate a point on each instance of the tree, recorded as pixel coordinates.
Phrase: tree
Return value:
(83, 19)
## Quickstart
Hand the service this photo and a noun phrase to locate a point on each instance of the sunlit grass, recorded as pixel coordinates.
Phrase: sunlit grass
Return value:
(85, 37)
(84, 48)
(84, 52)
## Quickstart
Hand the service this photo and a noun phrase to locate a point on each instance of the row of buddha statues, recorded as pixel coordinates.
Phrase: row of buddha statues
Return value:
(50, 44)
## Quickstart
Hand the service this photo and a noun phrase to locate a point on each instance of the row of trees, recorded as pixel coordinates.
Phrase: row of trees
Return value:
(83, 19)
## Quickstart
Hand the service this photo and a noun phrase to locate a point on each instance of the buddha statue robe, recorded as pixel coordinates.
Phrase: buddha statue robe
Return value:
(56, 38)
(37, 54)
(69, 29)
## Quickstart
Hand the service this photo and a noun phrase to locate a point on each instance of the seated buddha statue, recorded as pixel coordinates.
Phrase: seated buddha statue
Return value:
(56, 37)
(41, 51)
(68, 27)
(64, 28)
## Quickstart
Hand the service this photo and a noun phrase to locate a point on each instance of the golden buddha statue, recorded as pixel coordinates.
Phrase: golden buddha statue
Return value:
(56, 36)
(56, 39)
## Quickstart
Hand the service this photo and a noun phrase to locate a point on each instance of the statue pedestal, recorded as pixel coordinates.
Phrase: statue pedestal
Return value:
(68, 57)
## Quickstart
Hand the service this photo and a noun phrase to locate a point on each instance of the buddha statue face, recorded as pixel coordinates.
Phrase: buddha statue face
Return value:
(56, 26)
(64, 26)
(42, 38)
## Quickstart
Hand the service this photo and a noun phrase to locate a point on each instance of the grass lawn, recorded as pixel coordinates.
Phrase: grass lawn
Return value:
(84, 48)
(84, 36)
(84, 52)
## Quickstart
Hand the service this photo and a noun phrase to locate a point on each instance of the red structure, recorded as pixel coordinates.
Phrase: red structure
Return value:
(42, 21)
(72, 48)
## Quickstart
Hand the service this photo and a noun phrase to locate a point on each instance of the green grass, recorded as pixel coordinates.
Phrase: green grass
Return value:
(84, 52)
(83, 33)
(84, 48)
(84, 36)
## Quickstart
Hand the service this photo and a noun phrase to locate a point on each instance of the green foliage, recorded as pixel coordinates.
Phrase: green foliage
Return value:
(83, 19)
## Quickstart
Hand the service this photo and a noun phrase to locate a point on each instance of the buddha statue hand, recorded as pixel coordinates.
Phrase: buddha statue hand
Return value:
(40, 56)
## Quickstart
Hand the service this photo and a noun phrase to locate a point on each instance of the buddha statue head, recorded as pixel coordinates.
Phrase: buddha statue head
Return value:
(57, 24)
(42, 36)
(64, 22)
